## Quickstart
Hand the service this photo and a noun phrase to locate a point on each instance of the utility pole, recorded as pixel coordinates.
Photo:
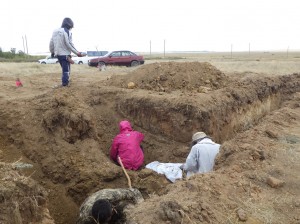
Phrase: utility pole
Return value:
(249, 48)
(164, 48)
(23, 45)
(150, 47)
(26, 44)
(231, 51)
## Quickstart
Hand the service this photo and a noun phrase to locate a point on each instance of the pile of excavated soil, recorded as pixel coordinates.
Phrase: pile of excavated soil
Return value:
(170, 76)
(67, 132)
(22, 200)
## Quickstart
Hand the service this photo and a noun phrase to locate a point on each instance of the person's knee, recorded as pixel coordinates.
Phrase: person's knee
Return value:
(102, 211)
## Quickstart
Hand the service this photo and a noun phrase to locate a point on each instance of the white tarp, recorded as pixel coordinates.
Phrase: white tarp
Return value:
(170, 170)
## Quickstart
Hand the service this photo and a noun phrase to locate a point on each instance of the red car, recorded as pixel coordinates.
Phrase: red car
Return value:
(122, 58)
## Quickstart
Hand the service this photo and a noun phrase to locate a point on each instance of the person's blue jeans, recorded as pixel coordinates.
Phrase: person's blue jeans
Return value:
(66, 68)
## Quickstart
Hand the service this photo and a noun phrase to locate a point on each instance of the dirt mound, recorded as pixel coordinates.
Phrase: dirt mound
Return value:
(170, 76)
(22, 200)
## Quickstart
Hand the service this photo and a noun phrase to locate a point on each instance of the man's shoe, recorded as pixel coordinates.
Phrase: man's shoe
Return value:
(57, 86)
(60, 86)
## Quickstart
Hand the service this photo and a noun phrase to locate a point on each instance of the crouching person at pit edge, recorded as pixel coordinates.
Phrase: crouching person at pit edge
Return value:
(127, 146)
(201, 158)
(108, 206)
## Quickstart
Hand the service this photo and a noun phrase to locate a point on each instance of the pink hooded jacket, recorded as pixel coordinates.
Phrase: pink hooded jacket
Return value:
(127, 145)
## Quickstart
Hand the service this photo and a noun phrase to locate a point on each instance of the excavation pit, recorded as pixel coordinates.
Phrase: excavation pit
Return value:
(68, 133)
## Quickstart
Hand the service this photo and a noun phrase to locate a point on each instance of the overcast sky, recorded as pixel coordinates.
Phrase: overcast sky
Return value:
(186, 25)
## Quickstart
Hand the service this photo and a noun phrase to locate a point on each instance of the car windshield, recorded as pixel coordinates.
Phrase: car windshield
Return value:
(131, 53)
(107, 54)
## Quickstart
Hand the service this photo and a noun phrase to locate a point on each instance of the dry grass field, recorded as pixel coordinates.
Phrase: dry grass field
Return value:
(277, 63)
(255, 62)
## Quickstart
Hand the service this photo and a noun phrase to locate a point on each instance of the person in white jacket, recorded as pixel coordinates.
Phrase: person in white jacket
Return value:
(201, 158)
(61, 46)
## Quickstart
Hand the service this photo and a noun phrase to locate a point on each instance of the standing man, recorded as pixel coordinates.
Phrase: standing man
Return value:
(201, 158)
(61, 46)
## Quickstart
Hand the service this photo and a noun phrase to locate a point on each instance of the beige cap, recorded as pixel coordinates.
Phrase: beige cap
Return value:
(198, 135)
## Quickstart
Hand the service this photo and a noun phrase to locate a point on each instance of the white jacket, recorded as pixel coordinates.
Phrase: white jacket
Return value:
(201, 158)
(61, 43)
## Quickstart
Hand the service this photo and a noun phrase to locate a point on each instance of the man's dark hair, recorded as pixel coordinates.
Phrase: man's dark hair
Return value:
(102, 210)
(67, 23)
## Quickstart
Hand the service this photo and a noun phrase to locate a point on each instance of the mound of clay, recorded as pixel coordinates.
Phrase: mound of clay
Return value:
(170, 76)
(22, 200)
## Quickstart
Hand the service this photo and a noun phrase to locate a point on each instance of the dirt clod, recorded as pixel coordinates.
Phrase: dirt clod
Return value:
(274, 182)
(242, 215)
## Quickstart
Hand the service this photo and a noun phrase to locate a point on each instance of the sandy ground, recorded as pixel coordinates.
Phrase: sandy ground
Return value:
(248, 103)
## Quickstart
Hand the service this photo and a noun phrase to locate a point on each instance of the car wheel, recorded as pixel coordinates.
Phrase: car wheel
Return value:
(43, 62)
(100, 64)
(135, 63)
(80, 62)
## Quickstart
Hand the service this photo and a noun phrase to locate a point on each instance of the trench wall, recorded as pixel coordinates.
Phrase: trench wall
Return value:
(220, 113)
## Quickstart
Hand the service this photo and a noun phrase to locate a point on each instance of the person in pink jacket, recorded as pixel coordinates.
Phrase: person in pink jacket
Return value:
(126, 145)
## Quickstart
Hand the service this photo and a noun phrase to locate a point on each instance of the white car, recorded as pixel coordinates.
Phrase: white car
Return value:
(48, 60)
(81, 60)
(89, 55)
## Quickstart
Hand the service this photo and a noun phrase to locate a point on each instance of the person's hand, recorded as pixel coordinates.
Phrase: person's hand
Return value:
(69, 58)
(81, 54)
(52, 55)
(181, 167)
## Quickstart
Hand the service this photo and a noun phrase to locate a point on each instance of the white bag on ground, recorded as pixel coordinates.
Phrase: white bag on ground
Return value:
(172, 171)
